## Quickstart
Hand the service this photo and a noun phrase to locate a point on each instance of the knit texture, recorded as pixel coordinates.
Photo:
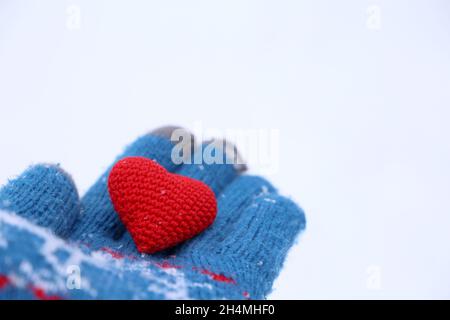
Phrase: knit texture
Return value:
(159, 209)
(41, 191)
(45, 231)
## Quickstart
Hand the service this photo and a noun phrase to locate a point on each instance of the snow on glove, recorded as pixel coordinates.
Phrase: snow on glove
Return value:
(54, 246)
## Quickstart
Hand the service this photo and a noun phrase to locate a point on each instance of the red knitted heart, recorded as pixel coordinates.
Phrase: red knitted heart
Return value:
(159, 209)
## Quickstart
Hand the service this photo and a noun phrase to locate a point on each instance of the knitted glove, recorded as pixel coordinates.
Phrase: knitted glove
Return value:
(52, 245)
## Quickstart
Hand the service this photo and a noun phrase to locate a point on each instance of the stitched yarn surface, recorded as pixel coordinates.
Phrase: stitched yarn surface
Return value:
(159, 209)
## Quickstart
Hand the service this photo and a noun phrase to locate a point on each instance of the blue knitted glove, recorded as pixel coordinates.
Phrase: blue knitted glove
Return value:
(52, 245)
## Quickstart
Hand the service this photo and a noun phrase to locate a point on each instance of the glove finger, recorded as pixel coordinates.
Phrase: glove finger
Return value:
(98, 217)
(45, 195)
(256, 244)
(214, 164)
(262, 236)
(267, 227)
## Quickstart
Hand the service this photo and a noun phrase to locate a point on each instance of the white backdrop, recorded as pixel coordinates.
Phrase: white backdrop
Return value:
(359, 91)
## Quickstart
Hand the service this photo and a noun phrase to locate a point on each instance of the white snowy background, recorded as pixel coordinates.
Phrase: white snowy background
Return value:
(359, 91)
